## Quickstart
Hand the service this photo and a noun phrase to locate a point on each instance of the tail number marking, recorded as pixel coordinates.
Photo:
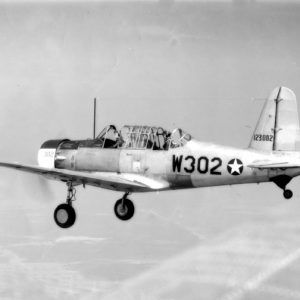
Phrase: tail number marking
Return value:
(202, 165)
(263, 137)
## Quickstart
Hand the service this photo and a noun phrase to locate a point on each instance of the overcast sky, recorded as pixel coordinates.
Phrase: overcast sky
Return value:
(191, 64)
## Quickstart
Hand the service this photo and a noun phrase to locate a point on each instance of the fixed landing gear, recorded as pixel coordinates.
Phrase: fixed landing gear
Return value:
(282, 181)
(124, 208)
(64, 214)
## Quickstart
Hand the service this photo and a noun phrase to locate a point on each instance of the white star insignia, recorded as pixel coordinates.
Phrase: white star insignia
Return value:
(235, 167)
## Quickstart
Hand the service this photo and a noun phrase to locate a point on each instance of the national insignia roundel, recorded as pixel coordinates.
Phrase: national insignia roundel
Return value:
(235, 167)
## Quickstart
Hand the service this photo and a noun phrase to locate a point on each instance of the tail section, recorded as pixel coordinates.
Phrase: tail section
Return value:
(278, 126)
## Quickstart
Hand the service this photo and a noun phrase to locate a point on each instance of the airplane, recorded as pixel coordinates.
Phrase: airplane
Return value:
(148, 158)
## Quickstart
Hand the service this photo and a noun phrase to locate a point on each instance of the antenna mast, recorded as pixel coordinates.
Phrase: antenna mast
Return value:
(94, 125)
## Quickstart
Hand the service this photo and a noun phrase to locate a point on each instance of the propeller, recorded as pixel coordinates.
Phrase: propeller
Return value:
(38, 188)
(46, 188)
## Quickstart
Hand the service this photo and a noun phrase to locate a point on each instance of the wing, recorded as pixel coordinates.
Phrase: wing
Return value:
(127, 182)
(273, 165)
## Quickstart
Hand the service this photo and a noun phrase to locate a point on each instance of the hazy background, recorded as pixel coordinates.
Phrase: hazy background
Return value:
(191, 64)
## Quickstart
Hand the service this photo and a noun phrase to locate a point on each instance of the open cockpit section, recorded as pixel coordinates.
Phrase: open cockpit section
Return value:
(155, 138)
(144, 137)
(179, 138)
(141, 137)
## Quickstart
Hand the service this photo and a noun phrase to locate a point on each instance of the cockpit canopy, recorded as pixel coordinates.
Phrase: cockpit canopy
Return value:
(142, 137)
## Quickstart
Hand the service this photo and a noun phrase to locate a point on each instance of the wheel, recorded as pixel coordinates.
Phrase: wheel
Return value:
(124, 211)
(288, 194)
(64, 215)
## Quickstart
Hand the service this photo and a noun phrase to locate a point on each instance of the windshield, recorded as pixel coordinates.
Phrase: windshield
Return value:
(108, 138)
(109, 131)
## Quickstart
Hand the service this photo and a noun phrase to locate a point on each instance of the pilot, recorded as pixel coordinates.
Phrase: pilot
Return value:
(119, 142)
(156, 145)
(167, 138)
(149, 144)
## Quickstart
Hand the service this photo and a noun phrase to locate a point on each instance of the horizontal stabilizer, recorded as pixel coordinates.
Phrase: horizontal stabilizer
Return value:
(273, 165)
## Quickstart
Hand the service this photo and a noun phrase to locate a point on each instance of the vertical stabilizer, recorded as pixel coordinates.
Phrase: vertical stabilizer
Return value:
(278, 126)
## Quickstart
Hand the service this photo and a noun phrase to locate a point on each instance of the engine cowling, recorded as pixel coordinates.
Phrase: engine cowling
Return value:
(47, 153)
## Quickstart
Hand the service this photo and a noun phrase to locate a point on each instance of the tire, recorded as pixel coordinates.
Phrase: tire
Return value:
(124, 211)
(288, 194)
(64, 215)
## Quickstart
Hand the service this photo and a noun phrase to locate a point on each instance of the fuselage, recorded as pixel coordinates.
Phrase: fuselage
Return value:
(196, 164)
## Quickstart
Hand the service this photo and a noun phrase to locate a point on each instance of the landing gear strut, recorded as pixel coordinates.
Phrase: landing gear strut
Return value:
(282, 181)
(124, 208)
(64, 214)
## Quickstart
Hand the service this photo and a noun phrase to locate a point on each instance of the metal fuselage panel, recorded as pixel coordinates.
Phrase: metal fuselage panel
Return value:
(148, 162)
(211, 165)
(196, 164)
(65, 159)
(97, 159)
